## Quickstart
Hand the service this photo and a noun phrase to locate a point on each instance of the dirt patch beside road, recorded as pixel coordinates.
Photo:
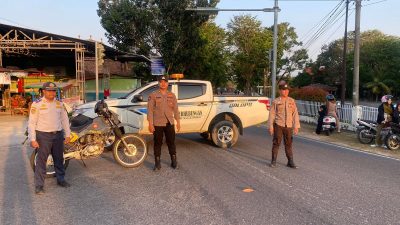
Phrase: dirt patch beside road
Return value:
(346, 139)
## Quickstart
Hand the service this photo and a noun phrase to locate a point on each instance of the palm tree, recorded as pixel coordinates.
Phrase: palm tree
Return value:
(377, 87)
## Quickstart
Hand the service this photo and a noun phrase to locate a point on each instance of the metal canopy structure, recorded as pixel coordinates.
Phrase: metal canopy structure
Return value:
(33, 43)
(19, 41)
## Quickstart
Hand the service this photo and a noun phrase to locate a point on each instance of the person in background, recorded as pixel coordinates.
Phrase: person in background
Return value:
(385, 115)
(396, 113)
(322, 113)
(332, 109)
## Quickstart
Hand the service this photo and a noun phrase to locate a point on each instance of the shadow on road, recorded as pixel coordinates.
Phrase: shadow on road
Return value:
(17, 193)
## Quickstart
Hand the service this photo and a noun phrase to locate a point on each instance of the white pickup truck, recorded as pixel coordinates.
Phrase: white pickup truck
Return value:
(221, 118)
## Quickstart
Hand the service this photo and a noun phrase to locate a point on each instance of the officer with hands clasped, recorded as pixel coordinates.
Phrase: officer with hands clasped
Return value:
(48, 129)
(283, 122)
(162, 108)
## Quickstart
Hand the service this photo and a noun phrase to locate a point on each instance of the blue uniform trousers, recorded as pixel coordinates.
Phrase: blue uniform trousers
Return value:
(49, 143)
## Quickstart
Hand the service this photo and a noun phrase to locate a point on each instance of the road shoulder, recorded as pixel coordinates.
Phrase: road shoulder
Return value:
(346, 139)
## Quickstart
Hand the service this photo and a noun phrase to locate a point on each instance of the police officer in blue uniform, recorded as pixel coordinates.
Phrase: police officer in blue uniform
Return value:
(48, 129)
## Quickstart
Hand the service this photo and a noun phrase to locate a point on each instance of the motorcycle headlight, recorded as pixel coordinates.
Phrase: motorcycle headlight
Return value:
(80, 111)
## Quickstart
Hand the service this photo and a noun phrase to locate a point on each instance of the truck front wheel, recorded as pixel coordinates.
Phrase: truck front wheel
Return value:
(225, 134)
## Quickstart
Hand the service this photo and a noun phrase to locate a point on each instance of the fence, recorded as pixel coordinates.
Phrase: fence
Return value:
(345, 112)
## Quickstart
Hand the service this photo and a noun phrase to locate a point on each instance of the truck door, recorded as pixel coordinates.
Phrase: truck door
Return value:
(137, 113)
(194, 105)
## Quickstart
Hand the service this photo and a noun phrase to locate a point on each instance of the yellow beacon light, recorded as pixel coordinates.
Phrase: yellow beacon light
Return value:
(177, 76)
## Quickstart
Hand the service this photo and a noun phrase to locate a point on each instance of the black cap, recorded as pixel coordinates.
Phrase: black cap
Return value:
(49, 86)
(283, 87)
(163, 78)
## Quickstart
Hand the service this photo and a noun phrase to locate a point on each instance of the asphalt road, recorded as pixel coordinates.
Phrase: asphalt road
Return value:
(332, 185)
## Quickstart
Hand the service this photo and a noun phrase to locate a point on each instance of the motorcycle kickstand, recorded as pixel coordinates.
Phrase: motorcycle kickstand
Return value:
(84, 164)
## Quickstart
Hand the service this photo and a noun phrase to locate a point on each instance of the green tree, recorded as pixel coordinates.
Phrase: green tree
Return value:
(379, 63)
(157, 27)
(214, 56)
(250, 44)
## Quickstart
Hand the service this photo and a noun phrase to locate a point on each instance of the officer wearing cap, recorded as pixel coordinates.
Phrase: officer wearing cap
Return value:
(162, 108)
(283, 122)
(48, 128)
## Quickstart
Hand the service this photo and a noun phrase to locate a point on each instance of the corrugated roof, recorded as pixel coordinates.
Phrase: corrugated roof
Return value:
(110, 52)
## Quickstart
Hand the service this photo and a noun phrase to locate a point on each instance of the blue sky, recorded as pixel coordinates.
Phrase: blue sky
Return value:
(79, 17)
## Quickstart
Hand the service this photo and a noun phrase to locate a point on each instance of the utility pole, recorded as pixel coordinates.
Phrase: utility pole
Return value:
(356, 81)
(274, 51)
(344, 76)
(96, 69)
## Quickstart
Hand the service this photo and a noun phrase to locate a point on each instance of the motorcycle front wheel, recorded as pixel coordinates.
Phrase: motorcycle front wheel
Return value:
(50, 171)
(365, 136)
(393, 142)
(135, 153)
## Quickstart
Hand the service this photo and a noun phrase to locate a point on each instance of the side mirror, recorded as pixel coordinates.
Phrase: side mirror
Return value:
(137, 98)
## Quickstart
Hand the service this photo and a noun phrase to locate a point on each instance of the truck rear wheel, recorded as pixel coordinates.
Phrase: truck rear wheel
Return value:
(225, 134)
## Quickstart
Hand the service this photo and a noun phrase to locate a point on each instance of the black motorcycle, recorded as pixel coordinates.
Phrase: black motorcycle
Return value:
(366, 131)
(89, 138)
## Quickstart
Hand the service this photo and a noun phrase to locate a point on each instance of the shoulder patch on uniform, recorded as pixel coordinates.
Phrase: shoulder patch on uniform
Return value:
(33, 110)
(38, 100)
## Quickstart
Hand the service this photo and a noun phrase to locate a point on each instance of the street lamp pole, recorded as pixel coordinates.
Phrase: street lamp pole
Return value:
(275, 48)
(213, 11)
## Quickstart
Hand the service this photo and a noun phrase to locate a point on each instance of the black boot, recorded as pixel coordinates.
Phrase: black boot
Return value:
(291, 164)
(174, 163)
(157, 164)
(273, 162)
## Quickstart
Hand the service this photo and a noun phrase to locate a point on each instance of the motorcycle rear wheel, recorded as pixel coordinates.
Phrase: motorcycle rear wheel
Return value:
(361, 136)
(135, 155)
(393, 142)
(50, 171)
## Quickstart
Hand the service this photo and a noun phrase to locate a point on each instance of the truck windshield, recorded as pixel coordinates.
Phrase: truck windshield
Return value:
(127, 95)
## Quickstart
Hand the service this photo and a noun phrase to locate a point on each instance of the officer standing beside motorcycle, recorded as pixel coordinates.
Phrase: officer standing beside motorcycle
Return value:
(48, 126)
(283, 123)
(162, 107)
(385, 115)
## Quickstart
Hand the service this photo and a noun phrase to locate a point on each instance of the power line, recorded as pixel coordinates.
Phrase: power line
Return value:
(332, 18)
(340, 26)
(322, 26)
(373, 3)
(319, 23)
(328, 27)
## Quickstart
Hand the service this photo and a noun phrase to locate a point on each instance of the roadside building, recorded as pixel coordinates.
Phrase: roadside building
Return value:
(29, 57)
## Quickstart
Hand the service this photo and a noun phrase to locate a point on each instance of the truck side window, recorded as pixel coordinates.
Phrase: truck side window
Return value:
(150, 90)
(186, 91)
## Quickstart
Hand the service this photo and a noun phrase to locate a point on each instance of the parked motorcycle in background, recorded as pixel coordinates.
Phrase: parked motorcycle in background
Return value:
(392, 140)
(328, 125)
(89, 138)
(366, 131)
